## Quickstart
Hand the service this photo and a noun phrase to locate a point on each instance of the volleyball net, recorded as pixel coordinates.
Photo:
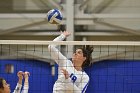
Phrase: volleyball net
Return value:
(107, 76)
(103, 50)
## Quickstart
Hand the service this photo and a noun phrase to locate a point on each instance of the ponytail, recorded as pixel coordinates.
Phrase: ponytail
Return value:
(87, 51)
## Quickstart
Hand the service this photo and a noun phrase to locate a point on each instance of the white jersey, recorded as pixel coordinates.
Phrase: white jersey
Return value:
(18, 89)
(78, 80)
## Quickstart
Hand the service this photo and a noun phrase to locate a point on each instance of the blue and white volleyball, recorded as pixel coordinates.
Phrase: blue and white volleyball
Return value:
(54, 16)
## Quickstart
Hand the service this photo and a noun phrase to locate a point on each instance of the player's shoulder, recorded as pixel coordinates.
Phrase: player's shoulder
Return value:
(85, 75)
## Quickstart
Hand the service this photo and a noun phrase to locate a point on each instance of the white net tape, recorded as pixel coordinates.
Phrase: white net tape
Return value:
(33, 42)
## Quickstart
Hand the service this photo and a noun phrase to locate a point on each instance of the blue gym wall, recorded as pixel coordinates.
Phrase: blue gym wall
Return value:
(40, 79)
(109, 76)
(114, 77)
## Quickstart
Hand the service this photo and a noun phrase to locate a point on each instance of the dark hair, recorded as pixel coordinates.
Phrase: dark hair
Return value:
(87, 51)
(1, 83)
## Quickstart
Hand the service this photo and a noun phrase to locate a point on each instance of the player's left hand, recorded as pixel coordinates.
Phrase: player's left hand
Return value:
(20, 75)
(65, 72)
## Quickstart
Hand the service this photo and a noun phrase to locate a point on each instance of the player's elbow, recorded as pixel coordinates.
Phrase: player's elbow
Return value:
(49, 47)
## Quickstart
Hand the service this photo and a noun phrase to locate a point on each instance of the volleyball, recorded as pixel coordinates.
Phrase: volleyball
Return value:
(54, 16)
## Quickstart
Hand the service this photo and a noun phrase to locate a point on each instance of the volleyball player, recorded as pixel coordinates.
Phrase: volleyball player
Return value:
(71, 77)
(5, 87)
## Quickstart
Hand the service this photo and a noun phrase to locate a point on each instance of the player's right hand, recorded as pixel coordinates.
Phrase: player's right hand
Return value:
(26, 74)
(66, 33)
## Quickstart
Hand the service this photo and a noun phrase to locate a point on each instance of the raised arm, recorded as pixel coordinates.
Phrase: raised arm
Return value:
(19, 84)
(26, 82)
(54, 52)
